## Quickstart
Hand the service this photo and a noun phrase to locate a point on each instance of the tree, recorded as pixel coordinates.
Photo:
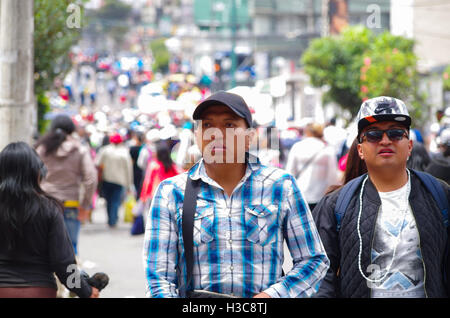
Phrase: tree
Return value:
(53, 38)
(446, 78)
(358, 64)
(52, 41)
(336, 62)
(160, 54)
(111, 20)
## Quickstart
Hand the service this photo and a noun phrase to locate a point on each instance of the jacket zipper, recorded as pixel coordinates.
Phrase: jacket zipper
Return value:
(373, 239)
(421, 255)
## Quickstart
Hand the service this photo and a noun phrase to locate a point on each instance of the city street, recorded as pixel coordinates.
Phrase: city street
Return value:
(115, 252)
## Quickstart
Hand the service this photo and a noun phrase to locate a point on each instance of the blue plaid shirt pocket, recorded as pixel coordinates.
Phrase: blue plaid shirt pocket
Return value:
(204, 225)
(261, 224)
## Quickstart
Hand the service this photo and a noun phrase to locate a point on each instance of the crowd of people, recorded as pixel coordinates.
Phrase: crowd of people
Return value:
(253, 196)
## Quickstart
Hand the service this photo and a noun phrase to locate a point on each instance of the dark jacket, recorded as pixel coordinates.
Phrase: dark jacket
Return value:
(44, 249)
(343, 278)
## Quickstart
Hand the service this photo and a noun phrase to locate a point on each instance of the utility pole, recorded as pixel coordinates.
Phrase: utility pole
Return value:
(16, 71)
(325, 21)
(310, 17)
(233, 42)
(214, 23)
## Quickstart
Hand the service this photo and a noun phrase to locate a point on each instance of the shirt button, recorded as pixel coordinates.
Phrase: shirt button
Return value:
(230, 241)
(231, 267)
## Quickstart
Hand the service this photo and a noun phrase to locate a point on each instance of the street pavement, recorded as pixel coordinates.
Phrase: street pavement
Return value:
(113, 251)
(119, 254)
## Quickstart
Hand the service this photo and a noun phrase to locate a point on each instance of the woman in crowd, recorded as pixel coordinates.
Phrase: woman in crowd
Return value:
(70, 167)
(159, 169)
(34, 243)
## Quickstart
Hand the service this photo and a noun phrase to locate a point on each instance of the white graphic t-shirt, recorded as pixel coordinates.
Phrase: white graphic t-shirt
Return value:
(406, 275)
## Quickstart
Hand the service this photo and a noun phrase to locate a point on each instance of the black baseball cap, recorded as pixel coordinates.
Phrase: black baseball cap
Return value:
(235, 102)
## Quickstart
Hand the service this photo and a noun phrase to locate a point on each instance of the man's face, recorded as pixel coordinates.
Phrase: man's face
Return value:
(222, 135)
(387, 152)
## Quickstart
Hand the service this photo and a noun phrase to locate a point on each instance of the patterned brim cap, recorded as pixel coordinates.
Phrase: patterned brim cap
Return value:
(383, 108)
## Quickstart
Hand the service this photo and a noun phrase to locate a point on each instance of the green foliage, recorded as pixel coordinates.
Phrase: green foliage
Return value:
(446, 78)
(358, 64)
(390, 68)
(53, 39)
(110, 20)
(336, 62)
(43, 108)
(160, 54)
(114, 10)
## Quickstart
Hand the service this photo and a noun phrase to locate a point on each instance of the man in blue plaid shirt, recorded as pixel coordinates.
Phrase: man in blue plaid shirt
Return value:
(244, 213)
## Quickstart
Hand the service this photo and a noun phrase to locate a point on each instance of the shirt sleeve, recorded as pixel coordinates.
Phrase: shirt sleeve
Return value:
(291, 164)
(89, 178)
(161, 245)
(99, 157)
(310, 260)
(130, 171)
(325, 221)
(143, 158)
(333, 169)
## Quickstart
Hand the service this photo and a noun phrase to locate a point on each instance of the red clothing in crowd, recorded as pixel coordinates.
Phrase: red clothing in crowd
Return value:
(154, 174)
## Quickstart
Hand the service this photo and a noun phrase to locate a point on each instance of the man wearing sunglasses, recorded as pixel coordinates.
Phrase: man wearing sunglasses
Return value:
(392, 239)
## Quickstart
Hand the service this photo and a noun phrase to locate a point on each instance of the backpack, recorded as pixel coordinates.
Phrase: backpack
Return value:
(430, 182)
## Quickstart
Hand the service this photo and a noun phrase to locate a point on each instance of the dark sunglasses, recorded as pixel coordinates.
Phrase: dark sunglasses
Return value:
(395, 134)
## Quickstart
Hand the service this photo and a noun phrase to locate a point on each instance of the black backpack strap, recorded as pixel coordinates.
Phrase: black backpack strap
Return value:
(437, 191)
(344, 197)
(189, 208)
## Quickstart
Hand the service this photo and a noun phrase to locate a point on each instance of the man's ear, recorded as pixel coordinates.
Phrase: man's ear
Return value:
(249, 137)
(360, 152)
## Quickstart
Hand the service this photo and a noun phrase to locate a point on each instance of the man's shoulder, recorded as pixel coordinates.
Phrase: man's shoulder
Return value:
(172, 189)
(343, 192)
(273, 174)
(175, 182)
(306, 144)
(421, 178)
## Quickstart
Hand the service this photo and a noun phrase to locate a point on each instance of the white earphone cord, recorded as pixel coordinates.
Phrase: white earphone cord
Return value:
(408, 189)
